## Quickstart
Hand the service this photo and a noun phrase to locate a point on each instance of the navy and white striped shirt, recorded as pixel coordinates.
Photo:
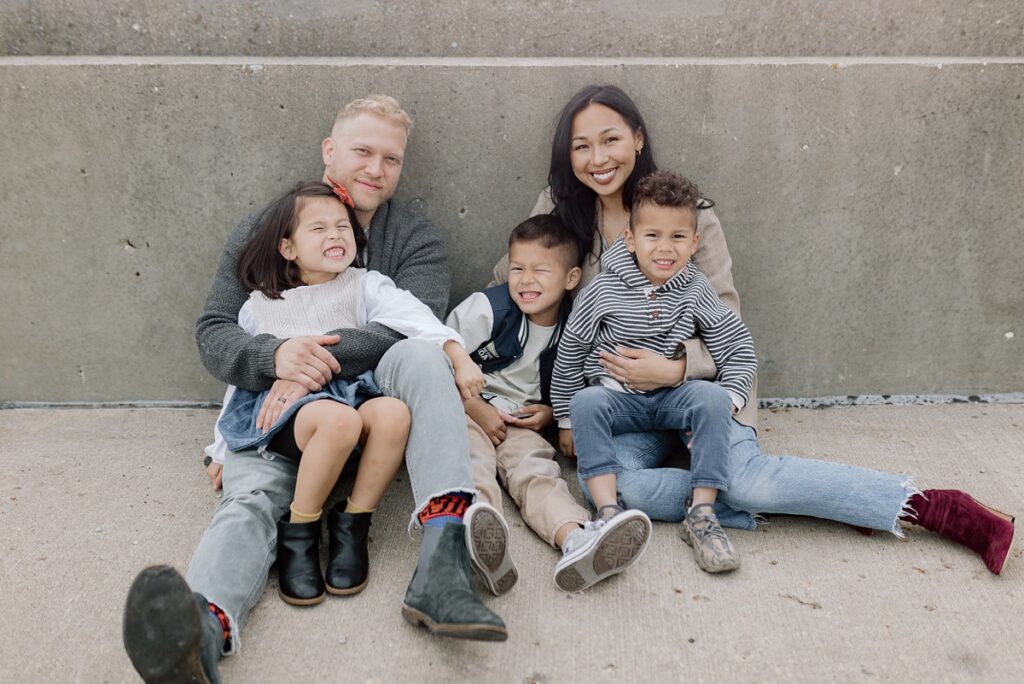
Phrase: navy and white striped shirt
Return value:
(621, 307)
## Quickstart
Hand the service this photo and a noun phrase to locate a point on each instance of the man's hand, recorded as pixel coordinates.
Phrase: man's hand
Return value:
(565, 443)
(488, 418)
(282, 394)
(642, 370)
(538, 417)
(305, 361)
(215, 471)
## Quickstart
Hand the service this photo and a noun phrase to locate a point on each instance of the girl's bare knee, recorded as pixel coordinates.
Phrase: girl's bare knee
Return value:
(341, 420)
(386, 412)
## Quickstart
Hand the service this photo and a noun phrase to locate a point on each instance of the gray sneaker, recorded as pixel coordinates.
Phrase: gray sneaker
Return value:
(488, 544)
(711, 548)
(602, 548)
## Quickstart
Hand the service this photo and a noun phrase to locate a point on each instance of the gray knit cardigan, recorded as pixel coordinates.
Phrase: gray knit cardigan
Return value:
(403, 245)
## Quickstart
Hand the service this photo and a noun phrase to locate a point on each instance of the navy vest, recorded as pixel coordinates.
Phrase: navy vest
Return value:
(508, 338)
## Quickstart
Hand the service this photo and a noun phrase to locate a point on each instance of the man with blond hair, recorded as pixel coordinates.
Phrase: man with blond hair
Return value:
(177, 629)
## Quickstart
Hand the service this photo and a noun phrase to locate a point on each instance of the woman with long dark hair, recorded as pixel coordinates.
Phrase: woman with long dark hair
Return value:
(601, 148)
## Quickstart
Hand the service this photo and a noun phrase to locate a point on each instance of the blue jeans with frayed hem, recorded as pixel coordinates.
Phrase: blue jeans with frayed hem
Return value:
(760, 484)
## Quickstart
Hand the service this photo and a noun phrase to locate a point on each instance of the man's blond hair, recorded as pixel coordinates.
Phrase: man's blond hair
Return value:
(383, 106)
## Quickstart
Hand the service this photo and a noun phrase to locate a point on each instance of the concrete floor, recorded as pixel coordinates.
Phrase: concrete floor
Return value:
(89, 497)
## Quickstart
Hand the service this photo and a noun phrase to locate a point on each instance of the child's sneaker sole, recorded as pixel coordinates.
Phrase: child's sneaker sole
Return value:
(620, 543)
(488, 544)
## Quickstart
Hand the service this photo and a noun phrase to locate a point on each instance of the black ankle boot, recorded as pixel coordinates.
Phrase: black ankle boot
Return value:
(169, 633)
(300, 581)
(441, 596)
(348, 560)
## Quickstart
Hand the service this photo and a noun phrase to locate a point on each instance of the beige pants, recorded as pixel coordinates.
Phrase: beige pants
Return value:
(525, 462)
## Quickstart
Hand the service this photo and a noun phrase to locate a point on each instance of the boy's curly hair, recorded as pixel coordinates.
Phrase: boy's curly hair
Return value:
(665, 189)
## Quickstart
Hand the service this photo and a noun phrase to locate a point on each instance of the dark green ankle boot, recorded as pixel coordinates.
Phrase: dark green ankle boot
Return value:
(441, 596)
(169, 633)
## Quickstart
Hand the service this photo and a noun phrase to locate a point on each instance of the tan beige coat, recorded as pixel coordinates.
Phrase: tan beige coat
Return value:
(712, 258)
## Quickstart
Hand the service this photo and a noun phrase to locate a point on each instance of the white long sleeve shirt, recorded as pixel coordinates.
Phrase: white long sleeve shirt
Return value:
(353, 299)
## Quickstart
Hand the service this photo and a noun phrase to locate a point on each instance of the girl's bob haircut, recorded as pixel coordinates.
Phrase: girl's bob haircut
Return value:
(260, 265)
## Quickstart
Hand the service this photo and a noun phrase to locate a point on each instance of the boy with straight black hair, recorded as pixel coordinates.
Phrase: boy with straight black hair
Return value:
(512, 331)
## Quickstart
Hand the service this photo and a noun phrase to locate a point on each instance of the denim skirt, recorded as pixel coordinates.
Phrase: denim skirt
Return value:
(238, 424)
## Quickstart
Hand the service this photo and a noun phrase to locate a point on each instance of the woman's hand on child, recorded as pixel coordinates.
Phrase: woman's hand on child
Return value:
(538, 417)
(282, 394)
(566, 444)
(642, 370)
(488, 418)
(305, 361)
(215, 471)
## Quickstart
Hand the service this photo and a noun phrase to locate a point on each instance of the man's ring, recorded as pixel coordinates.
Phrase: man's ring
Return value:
(282, 400)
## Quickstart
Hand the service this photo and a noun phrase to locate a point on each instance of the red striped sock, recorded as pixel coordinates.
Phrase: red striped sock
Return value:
(444, 509)
(222, 618)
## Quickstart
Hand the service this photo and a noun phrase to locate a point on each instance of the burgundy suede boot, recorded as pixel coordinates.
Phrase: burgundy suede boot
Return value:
(957, 516)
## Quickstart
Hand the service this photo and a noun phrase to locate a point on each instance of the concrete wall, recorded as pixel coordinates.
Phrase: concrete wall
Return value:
(873, 208)
(520, 28)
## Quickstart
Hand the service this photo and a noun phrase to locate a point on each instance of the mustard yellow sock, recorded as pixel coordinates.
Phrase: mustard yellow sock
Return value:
(299, 517)
(356, 508)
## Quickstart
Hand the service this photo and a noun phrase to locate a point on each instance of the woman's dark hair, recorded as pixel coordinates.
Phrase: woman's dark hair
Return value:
(575, 203)
(260, 265)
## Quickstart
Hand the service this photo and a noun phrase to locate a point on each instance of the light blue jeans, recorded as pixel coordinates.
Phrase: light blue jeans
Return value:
(231, 562)
(759, 483)
(699, 406)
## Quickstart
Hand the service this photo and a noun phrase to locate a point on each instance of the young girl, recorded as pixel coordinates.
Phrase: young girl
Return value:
(298, 263)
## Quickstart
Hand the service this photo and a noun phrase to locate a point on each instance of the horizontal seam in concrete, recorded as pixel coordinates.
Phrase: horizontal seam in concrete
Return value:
(764, 403)
(48, 405)
(171, 60)
(889, 400)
